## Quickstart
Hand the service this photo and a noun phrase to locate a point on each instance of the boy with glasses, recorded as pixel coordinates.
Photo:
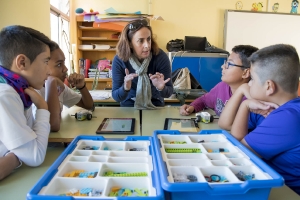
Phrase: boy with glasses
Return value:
(235, 72)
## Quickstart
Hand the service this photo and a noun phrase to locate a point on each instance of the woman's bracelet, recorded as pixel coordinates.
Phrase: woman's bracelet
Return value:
(81, 87)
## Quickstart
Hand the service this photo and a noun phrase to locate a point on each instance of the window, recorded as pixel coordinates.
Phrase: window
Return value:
(60, 27)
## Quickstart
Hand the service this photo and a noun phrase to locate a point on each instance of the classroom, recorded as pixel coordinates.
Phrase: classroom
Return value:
(87, 136)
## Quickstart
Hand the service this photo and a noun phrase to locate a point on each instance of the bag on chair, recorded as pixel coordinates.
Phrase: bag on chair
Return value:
(182, 79)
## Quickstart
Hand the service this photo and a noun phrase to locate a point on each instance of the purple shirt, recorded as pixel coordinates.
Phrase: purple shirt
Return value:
(215, 99)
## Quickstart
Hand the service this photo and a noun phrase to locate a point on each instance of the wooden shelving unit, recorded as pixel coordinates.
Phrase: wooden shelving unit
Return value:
(87, 34)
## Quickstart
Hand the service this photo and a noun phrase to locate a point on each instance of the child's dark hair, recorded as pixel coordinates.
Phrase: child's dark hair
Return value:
(244, 51)
(279, 63)
(16, 39)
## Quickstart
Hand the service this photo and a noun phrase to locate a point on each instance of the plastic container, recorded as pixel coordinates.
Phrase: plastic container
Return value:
(93, 162)
(217, 167)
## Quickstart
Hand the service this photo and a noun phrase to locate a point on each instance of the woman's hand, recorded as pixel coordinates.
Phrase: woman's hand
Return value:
(128, 79)
(158, 80)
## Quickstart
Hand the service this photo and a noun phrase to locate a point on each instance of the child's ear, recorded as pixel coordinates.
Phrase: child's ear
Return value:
(246, 73)
(270, 87)
(21, 62)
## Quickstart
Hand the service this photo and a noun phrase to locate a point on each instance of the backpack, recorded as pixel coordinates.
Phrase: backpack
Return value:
(183, 79)
(175, 45)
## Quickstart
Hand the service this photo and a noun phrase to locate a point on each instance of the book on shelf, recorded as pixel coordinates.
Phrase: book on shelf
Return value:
(101, 46)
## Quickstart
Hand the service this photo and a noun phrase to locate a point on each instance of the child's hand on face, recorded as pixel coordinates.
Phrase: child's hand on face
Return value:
(158, 80)
(36, 98)
(76, 80)
(186, 109)
(60, 85)
(261, 107)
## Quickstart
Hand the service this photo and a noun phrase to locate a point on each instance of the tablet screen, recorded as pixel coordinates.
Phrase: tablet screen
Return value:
(183, 125)
(116, 126)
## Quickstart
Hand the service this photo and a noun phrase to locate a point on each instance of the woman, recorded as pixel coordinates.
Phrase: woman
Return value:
(141, 71)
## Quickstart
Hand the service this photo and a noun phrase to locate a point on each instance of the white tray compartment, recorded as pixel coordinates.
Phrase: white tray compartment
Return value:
(78, 158)
(259, 175)
(102, 153)
(125, 167)
(128, 154)
(217, 145)
(199, 156)
(82, 153)
(221, 163)
(216, 156)
(185, 146)
(189, 162)
(63, 185)
(187, 171)
(208, 138)
(71, 166)
(177, 138)
(128, 160)
(138, 145)
(84, 143)
(113, 146)
(131, 183)
(220, 171)
(240, 161)
(98, 158)
(234, 155)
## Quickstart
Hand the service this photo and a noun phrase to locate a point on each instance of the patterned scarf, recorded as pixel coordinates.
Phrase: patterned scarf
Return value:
(143, 90)
(17, 82)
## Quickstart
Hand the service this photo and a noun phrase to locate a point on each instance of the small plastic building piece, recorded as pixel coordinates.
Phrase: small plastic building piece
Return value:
(183, 150)
(137, 149)
(204, 117)
(176, 142)
(219, 150)
(90, 148)
(245, 177)
(215, 178)
(192, 178)
(124, 174)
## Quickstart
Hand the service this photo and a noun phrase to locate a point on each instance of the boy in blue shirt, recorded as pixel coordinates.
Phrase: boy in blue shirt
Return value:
(272, 93)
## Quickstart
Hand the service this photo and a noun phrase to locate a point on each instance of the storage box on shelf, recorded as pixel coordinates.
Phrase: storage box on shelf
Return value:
(95, 168)
(88, 35)
(211, 165)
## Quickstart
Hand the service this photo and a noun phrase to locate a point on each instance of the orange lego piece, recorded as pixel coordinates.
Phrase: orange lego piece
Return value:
(115, 189)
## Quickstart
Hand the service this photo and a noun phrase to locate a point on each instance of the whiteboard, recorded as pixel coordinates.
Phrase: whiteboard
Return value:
(261, 29)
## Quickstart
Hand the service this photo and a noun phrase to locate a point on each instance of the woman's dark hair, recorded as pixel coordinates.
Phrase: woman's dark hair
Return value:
(123, 47)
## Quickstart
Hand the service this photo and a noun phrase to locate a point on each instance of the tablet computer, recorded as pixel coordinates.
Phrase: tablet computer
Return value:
(117, 126)
(183, 125)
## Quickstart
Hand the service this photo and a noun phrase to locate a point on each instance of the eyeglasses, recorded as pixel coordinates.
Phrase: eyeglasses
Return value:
(137, 24)
(228, 64)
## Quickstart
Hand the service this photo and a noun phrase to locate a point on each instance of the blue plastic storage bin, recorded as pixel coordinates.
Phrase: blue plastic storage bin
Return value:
(211, 165)
(105, 164)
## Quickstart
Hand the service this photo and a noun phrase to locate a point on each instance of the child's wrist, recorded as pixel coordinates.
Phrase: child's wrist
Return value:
(81, 87)
(18, 162)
